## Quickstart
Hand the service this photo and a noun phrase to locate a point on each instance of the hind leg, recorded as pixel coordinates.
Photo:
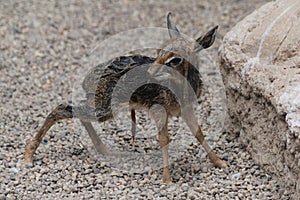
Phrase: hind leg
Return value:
(59, 113)
(62, 112)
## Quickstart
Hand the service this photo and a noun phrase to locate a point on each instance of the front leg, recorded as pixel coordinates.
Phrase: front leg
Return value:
(158, 113)
(98, 144)
(164, 142)
(211, 154)
(189, 117)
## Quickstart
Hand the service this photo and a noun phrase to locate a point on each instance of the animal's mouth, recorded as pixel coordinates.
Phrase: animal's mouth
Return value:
(163, 76)
(162, 73)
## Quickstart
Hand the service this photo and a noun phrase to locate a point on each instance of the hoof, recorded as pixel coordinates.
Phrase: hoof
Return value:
(102, 150)
(167, 182)
(220, 163)
(216, 160)
(28, 164)
(28, 161)
(133, 141)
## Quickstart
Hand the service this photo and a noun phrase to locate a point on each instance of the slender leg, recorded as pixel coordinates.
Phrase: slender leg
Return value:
(211, 154)
(60, 112)
(160, 116)
(98, 144)
(133, 125)
(163, 142)
(86, 114)
(189, 117)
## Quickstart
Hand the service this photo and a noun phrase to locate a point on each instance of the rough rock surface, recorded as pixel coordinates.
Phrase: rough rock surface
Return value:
(260, 63)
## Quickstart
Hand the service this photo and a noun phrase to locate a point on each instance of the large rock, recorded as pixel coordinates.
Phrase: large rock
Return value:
(260, 64)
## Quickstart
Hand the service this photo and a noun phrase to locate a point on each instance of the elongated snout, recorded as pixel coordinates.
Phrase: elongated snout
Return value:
(161, 72)
(154, 69)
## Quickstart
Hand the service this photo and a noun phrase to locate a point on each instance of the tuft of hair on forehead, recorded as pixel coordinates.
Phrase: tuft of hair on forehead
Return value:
(178, 46)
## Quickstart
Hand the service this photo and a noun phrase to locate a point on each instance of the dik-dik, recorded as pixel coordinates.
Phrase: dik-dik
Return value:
(177, 55)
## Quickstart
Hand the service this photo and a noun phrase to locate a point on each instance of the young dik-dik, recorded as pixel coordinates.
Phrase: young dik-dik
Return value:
(177, 55)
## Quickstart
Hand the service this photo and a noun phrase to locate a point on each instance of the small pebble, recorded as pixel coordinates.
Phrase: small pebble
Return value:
(14, 170)
(236, 176)
(134, 184)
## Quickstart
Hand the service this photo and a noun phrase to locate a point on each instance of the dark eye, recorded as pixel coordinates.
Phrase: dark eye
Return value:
(174, 61)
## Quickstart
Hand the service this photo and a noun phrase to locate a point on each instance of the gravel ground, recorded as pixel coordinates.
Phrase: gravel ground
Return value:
(43, 47)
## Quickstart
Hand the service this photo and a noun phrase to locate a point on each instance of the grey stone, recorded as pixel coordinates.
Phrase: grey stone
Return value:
(260, 67)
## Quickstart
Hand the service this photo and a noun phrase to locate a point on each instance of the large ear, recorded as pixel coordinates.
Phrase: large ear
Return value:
(173, 31)
(206, 40)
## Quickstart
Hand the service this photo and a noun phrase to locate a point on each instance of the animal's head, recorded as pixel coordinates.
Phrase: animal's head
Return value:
(178, 52)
